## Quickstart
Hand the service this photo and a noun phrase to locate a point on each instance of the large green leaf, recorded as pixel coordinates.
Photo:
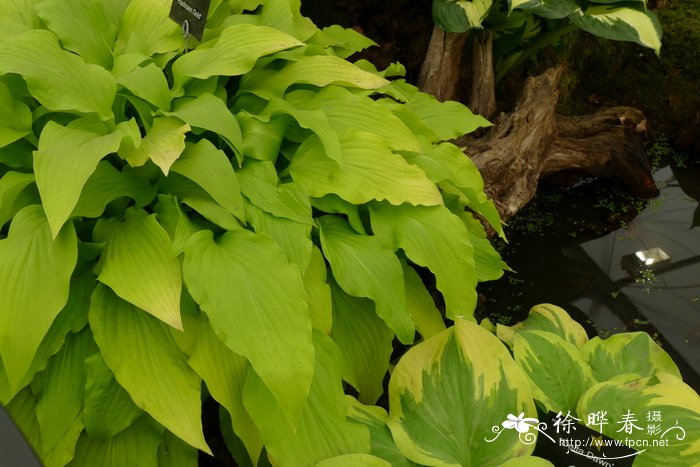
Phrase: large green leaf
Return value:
(318, 70)
(135, 446)
(433, 237)
(163, 144)
(460, 15)
(107, 184)
(556, 368)
(83, 26)
(147, 82)
(318, 292)
(629, 352)
(145, 28)
(323, 430)
(35, 273)
(224, 372)
(173, 452)
(234, 53)
(621, 23)
(368, 170)
(662, 414)
(146, 362)
(364, 268)
(15, 117)
(37, 56)
(209, 168)
(364, 341)
(550, 318)
(210, 113)
(108, 409)
(11, 185)
(65, 159)
(550, 9)
(447, 120)
(138, 264)
(447, 393)
(59, 389)
(487, 261)
(345, 111)
(256, 305)
(420, 304)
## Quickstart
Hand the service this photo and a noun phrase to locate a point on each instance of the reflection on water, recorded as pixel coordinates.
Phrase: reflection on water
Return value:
(643, 276)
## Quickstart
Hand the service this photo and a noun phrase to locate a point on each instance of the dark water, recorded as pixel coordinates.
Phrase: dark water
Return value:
(580, 249)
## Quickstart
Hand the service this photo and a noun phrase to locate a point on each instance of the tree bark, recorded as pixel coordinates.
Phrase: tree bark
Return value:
(482, 93)
(441, 69)
(533, 142)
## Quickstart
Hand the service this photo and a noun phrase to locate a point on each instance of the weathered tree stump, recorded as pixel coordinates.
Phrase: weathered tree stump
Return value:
(533, 143)
(440, 72)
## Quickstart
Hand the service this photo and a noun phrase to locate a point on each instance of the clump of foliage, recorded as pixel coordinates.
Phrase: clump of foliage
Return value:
(244, 217)
(523, 27)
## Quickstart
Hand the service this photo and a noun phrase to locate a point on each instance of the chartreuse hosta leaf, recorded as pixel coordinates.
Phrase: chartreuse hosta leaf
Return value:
(11, 185)
(487, 262)
(147, 82)
(353, 460)
(59, 389)
(420, 304)
(382, 442)
(630, 352)
(446, 394)
(145, 28)
(447, 120)
(550, 318)
(137, 445)
(211, 169)
(234, 53)
(550, 9)
(323, 430)
(108, 409)
(435, 238)
(621, 23)
(65, 159)
(37, 56)
(556, 368)
(647, 411)
(138, 264)
(364, 268)
(364, 341)
(223, 371)
(163, 144)
(83, 26)
(345, 110)
(318, 292)
(460, 15)
(256, 305)
(318, 70)
(368, 170)
(145, 361)
(208, 112)
(30, 300)
(15, 117)
(343, 41)
(173, 452)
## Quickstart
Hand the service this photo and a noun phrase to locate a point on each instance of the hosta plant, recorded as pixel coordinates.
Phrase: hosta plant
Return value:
(245, 221)
(522, 27)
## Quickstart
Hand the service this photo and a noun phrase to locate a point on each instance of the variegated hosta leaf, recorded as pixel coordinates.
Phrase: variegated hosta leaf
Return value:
(35, 276)
(527, 461)
(256, 304)
(448, 392)
(148, 364)
(630, 352)
(460, 15)
(139, 265)
(353, 460)
(433, 237)
(621, 23)
(646, 411)
(550, 318)
(323, 430)
(556, 368)
(550, 9)
(374, 418)
(364, 268)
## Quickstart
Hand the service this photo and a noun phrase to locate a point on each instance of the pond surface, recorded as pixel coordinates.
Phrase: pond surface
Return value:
(614, 263)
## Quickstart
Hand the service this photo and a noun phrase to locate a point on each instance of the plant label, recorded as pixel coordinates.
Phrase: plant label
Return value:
(194, 12)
